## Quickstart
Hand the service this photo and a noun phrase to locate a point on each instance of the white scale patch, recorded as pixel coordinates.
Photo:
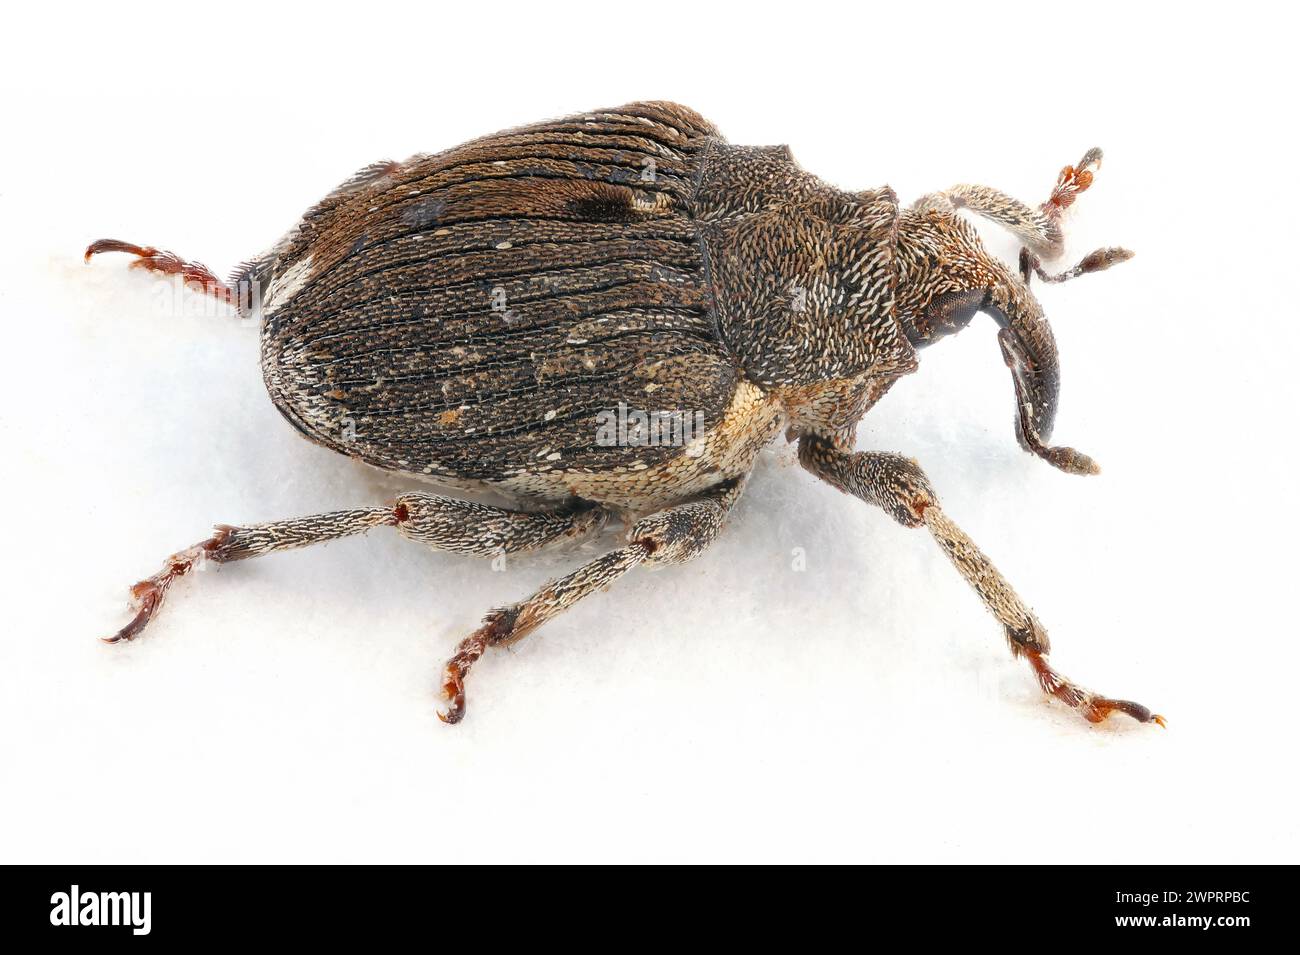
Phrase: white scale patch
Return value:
(286, 285)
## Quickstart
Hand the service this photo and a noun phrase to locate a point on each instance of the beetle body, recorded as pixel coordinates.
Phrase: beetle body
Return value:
(467, 317)
(477, 317)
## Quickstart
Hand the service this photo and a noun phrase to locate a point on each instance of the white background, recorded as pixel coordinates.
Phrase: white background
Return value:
(734, 709)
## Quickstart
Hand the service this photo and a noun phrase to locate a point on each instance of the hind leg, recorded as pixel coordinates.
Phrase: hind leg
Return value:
(444, 523)
(196, 274)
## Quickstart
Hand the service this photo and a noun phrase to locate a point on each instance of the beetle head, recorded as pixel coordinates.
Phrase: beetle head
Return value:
(945, 278)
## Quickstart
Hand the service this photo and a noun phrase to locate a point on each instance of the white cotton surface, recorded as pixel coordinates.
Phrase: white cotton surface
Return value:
(821, 685)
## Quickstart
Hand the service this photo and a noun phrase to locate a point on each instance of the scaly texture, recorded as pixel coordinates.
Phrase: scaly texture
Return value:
(476, 317)
(467, 316)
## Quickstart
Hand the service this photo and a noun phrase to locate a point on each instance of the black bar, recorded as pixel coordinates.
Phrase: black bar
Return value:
(1058, 906)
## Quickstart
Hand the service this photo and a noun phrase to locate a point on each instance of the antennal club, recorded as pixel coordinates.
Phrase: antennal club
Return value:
(1098, 261)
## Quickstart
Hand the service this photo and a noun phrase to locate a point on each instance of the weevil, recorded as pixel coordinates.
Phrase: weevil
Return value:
(473, 317)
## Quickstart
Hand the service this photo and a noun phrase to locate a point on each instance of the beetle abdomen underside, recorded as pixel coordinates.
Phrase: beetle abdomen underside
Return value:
(471, 316)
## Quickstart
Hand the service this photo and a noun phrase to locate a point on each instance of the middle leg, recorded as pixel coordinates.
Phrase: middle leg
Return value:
(671, 536)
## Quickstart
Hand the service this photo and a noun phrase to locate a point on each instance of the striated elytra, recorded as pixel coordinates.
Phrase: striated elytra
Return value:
(610, 315)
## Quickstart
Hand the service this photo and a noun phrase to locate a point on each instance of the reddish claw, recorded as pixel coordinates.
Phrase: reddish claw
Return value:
(1072, 181)
(453, 691)
(498, 626)
(195, 274)
(1094, 709)
(147, 596)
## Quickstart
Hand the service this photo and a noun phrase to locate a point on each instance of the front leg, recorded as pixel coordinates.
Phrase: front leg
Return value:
(899, 486)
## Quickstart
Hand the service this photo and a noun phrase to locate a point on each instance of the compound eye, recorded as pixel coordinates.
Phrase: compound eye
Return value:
(950, 312)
